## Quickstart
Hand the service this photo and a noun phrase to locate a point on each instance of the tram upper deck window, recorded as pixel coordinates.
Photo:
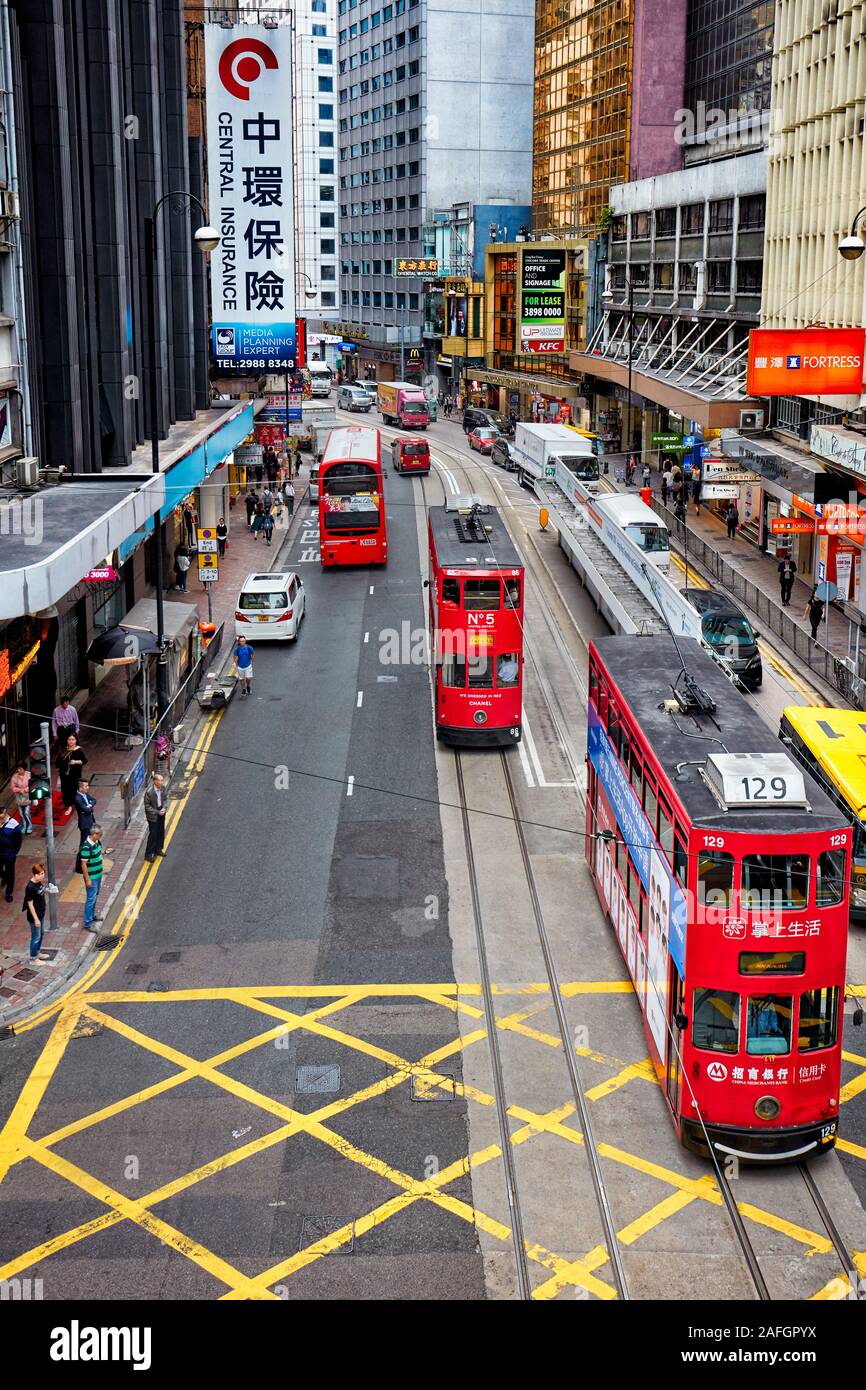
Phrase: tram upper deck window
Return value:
(768, 1024)
(830, 878)
(512, 593)
(716, 1020)
(773, 881)
(451, 591)
(482, 593)
(819, 1019)
(507, 669)
(715, 878)
(454, 671)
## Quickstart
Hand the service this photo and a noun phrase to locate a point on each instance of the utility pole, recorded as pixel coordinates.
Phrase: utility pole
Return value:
(403, 339)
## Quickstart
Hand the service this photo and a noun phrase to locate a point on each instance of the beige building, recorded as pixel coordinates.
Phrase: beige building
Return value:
(817, 167)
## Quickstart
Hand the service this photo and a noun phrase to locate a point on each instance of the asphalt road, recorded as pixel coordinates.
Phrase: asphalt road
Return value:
(275, 877)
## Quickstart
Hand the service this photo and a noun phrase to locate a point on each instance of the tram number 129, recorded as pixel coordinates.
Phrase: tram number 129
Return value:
(755, 788)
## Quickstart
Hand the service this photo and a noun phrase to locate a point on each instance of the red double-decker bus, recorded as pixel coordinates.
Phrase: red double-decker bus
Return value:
(476, 617)
(725, 871)
(352, 527)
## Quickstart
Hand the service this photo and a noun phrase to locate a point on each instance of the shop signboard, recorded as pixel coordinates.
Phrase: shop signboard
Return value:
(716, 490)
(791, 526)
(726, 471)
(805, 361)
(248, 455)
(666, 439)
(542, 301)
(248, 72)
(427, 266)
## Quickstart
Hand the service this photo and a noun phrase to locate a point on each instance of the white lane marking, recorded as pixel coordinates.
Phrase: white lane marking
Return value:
(536, 761)
(371, 588)
(449, 476)
(360, 699)
(350, 786)
(366, 636)
(524, 763)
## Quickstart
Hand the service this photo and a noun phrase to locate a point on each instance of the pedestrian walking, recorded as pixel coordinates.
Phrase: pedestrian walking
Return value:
(268, 527)
(787, 571)
(732, 519)
(269, 459)
(11, 840)
(20, 784)
(267, 498)
(814, 611)
(181, 566)
(64, 719)
(680, 508)
(189, 520)
(289, 498)
(155, 807)
(258, 519)
(294, 458)
(630, 470)
(697, 484)
(92, 869)
(667, 477)
(70, 767)
(243, 655)
(250, 504)
(646, 475)
(222, 536)
(33, 907)
(665, 489)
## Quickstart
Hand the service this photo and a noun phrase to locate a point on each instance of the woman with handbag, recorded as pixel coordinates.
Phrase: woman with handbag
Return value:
(20, 784)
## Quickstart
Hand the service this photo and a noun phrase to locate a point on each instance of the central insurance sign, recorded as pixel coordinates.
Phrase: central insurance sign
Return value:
(805, 362)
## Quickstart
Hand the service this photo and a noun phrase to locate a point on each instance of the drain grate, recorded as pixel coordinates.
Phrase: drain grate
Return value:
(24, 975)
(321, 1080)
(169, 957)
(421, 1089)
(318, 1228)
(157, 987)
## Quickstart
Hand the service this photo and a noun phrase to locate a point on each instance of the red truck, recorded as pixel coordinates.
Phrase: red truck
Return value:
(403, 404)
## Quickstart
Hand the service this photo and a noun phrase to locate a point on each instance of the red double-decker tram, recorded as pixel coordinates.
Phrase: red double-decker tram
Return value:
(352, 526)
(724, 870)
(476, 617)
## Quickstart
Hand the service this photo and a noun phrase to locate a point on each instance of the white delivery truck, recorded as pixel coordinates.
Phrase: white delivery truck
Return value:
(538, 448)
(320, 378)
(314, 416)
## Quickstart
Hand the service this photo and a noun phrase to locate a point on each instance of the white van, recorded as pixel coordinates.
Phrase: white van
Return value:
(639, 522)
(350, 397)
(270, 607)
(320, 378)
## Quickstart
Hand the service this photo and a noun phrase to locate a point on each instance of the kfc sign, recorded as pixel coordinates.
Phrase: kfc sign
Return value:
(805, 362)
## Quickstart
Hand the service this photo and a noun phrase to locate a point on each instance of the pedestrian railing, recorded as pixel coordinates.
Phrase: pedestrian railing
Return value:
(837, 672)
(157, 751)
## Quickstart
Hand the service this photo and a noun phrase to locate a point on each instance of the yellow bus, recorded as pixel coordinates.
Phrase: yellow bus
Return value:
(831, 745)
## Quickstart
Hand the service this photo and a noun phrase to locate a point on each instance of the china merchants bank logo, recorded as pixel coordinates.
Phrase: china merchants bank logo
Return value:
(717, 1071)
(242, 63)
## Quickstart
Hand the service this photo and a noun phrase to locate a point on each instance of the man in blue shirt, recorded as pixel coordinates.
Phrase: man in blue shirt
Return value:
(243, 655)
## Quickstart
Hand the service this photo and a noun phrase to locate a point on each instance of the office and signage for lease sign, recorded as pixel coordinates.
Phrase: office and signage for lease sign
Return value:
(542, 301)
(805, 361)
(249, 135)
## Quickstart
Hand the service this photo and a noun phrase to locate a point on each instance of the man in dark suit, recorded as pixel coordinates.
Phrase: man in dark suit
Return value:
(85, 805)
(155, 805)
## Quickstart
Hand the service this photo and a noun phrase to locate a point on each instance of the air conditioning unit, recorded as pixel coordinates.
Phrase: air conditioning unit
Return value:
(9, 205)
(751, 419)
(27, 472)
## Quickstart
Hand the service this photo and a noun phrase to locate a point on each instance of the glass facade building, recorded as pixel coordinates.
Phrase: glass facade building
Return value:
(729, 54)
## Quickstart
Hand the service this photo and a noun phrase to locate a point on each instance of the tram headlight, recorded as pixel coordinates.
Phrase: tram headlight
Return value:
(767, 1107)
(480, 717)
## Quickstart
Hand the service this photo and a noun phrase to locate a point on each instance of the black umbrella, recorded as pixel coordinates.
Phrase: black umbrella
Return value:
(121, 646)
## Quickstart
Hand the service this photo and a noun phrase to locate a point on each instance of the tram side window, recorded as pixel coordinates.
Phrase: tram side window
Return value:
(666, 831)
(650, 805)
(593, 685)
(454, 671)
(768, 1024)
(819, 1015)
(773, 881)
(634, 891)
(716, 1020)
(830, 881)
(512, 593)
(451, 591)
(715, 878)
(614, 727)
(507, 669)
(636, 773)
(681, 862)
(481, 593)
(480, 671)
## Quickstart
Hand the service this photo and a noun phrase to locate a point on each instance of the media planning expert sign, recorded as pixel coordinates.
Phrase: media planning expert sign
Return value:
(249, 122)
(542, 301)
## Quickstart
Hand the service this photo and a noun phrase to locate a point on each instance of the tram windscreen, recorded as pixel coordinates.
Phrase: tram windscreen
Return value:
(651, 539)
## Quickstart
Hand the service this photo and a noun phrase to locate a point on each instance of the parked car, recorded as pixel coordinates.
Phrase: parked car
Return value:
(270, 607)
(473, 416)
(483, 438)
(502, 454)
(726, 629)
(353, 398)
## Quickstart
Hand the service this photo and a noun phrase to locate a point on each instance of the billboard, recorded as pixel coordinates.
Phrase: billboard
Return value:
(249, 142)
(456, 308)
(542, 301)
(805, 362)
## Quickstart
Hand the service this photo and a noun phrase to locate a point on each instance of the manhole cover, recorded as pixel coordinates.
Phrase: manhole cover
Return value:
(24, 975)
(422, 1089)
(157, 987)
(169, 957)
(318, 1228)
(321, 1080)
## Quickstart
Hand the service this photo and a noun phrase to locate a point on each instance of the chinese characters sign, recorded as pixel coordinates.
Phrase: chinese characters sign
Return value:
(250, 173)
(805, 361)
(542, 301)
(415, 266)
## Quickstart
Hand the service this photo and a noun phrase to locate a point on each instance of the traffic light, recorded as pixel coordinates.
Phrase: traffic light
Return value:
(40, 781)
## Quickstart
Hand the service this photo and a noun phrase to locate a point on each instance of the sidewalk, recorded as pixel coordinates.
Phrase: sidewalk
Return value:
(25, 984)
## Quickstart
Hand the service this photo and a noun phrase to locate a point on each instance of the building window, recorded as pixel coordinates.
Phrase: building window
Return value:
(749, 276)
(376, 19)
(722, 215)
(414, 68)
(377, 299)
(640, 273)
(324, 56)
(326, 166)
(718, 277)
(328, 299)
(389, 300)
(365, 24)
(327, 246)
(319, 31)
(319, 7)
(752, 211)
(640, 226)
(666, 222)
(326, 219)
(400, 234)
(692, 219)
(326, 139)
(663, 274)
(326, 84)
(329, 272)
(326, 111)
(413, 301)
(326, 194)
(688, 275)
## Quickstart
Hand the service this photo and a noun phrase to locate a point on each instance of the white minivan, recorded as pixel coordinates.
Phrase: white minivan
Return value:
(351, 397)
(270, 607)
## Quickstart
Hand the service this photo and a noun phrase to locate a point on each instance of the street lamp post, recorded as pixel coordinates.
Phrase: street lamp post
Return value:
(206, 239)
(852, 246)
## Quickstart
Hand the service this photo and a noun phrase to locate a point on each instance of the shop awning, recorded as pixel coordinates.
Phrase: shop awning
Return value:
(524, 381)
(49, 540)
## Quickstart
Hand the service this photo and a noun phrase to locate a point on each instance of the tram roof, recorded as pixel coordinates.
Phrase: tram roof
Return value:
(644, 669)
(452, 552)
